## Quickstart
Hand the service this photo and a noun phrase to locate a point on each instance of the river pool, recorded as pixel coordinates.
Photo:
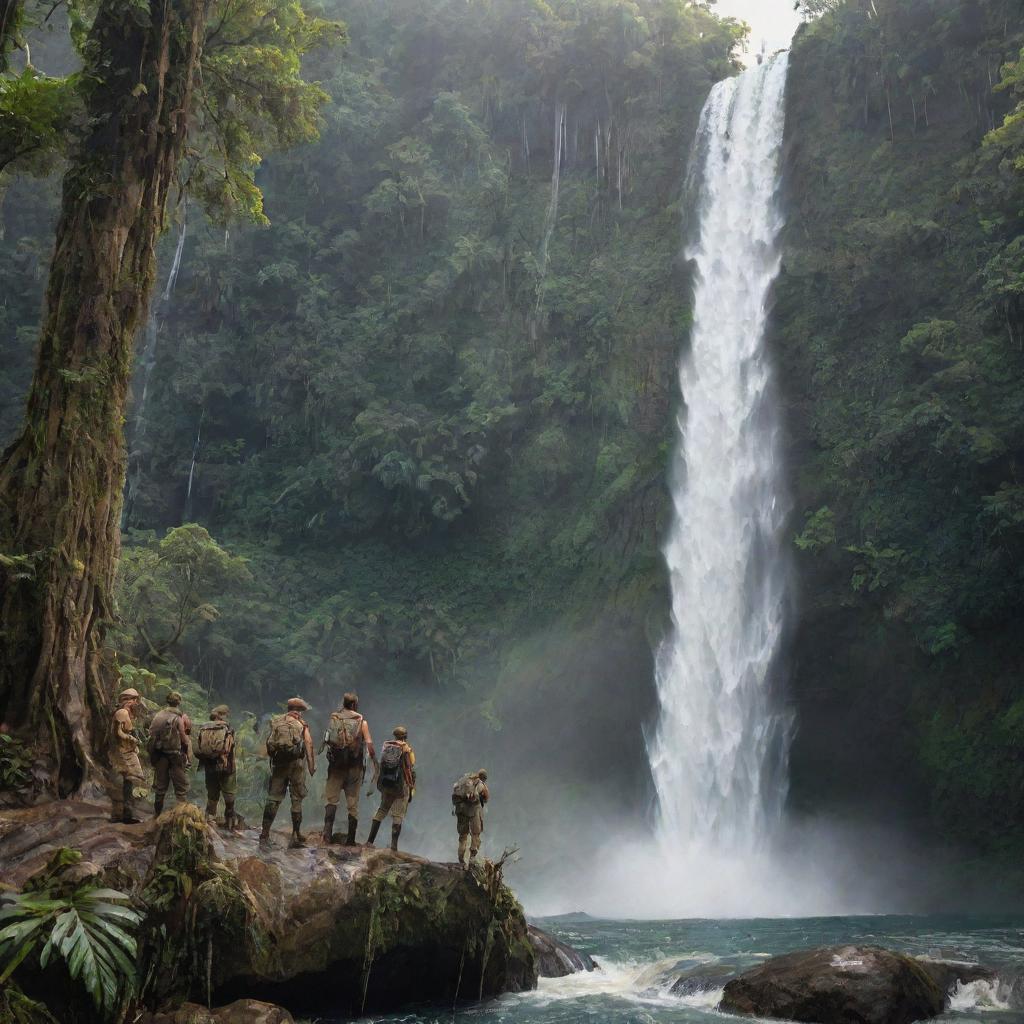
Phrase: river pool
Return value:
(629, 988)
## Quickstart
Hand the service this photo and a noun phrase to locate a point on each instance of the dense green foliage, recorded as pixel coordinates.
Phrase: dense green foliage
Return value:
(900, 322)
(82, 926)
(426, 397)
(423, 414)
(430, 403)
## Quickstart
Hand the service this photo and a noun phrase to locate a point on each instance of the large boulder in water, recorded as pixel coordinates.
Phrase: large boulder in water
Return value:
(555, 959)
(838, 985)
(335, 930)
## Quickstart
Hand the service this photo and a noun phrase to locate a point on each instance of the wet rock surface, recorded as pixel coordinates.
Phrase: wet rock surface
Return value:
(556, 959)
(344, 929)
(847, 985)
(242, 1011)
(703, 978)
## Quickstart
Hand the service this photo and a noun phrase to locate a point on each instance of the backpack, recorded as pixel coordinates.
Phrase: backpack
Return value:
(286, 739)
(391, 775)
(345, 739)
(212, 741)
(164, 734)
(466, 790)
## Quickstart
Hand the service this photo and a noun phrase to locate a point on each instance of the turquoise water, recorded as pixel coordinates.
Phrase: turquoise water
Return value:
(632, 987)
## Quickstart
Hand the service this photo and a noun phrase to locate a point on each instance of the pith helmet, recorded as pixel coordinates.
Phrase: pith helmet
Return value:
(297, 704)
(130, 694)
(220, 711)
(173, 697)
(400, 732)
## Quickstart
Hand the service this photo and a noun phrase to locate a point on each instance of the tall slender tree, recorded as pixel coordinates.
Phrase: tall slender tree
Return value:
(167, 85)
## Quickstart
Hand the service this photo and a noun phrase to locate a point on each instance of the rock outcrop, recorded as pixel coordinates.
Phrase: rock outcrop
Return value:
(344, 929)
(846, 985)
(243, 1011)
(555, 959)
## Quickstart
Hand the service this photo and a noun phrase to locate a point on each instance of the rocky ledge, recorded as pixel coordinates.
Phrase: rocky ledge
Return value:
(848, 985)
(345, 929)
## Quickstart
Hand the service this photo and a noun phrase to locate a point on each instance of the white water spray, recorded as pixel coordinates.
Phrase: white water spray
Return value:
(718, 754)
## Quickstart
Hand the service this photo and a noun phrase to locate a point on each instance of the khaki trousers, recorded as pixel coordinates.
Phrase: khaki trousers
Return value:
(347, 780)
(471, 827)
(393, 802)
(169, 770)
(287, 778)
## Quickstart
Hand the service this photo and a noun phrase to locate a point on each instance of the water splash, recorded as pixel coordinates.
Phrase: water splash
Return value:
(719, 751)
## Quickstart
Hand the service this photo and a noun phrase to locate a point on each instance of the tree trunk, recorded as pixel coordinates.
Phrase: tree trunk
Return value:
(61, 481)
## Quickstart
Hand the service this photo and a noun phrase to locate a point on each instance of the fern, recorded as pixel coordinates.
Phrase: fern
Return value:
(89, 930)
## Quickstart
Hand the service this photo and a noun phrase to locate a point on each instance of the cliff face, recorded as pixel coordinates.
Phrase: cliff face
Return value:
(902, 368)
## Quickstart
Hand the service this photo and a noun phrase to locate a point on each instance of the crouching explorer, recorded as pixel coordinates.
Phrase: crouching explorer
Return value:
(397, 784)
(469, 797)
(290, 749)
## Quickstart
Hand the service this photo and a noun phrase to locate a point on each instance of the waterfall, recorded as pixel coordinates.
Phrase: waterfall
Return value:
(138, 422)
(550, 217)
(186, 513)
(718, 754)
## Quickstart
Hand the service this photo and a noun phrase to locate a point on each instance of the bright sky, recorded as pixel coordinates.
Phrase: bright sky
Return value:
(774, 21)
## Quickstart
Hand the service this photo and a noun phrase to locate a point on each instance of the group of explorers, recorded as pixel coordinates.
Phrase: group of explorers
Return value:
(173, 743)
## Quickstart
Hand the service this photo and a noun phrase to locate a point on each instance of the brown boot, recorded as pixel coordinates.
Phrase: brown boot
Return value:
(353, 824)
(230, 821)
(298, 840)
(374, 829)
(396, 831)
(158, 806)
(329, 813)
(269, 813)
(128, 817)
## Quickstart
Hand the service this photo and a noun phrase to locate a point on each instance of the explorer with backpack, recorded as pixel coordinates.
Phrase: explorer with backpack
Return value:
(397, 784)
(469, 797)
(347, 741)
(290, 749)
(215, 751)
(169, 751)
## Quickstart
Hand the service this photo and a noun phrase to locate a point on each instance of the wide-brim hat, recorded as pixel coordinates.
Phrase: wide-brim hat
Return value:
(297, 704)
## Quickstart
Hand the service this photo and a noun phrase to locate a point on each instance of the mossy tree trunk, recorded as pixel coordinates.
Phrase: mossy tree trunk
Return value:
(61, 480)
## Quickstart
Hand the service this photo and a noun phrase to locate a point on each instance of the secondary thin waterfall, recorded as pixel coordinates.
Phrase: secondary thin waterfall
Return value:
(719, 750)
(157, 312)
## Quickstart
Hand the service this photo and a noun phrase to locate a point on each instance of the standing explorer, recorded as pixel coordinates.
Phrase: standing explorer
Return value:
(169, 751)
(125, 766)
(215, 751)
(347, 740)
(469, 797)
(290, 749)
(397, 784)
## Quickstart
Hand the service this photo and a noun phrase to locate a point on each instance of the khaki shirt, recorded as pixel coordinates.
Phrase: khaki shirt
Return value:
(125, 740)
(307, 739)
(364, 731)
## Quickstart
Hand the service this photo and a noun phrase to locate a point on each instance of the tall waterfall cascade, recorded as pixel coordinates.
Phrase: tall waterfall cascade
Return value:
(718, 754)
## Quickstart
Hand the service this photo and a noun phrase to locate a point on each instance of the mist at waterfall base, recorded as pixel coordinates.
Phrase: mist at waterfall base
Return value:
(717, 844)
